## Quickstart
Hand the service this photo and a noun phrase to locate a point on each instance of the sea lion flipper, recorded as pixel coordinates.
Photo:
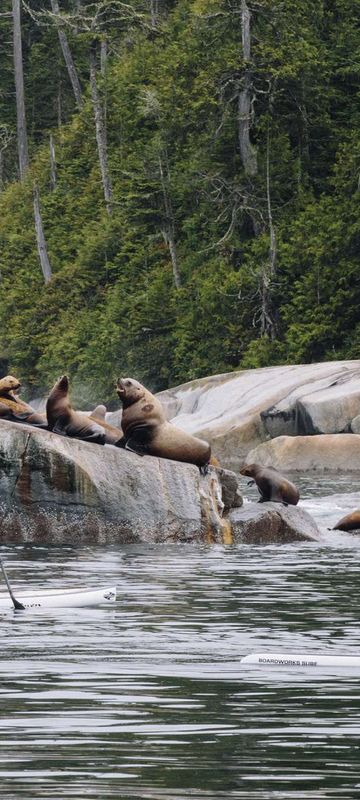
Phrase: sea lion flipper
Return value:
(204, 469)
(88, 433)
(135, 446)
(99, 413)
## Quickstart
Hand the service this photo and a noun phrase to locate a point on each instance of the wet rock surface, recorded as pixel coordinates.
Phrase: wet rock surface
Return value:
(272, 523)
(57, 490)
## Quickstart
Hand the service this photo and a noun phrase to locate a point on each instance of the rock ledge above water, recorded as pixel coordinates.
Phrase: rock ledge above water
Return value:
(55, 490)
(272, 523)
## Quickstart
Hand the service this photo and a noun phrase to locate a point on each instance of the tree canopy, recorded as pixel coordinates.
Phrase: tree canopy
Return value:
(208, 257)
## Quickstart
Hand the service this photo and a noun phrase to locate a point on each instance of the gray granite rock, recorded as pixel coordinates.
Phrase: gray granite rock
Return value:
(322, 405)
(57, 490)
(230, 489)
(237, 411)
(329, 452)
(269, 523)
(355, 424)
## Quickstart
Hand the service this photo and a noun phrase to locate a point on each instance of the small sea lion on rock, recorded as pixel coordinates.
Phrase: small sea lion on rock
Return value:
(272, 485)
(64, 420)
(147, 431)
(13, 408)
(351, 522)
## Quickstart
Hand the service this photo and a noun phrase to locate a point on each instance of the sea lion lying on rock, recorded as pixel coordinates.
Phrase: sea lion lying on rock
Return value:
(351, 522)
(64, 420)
(147, 431)
(13, 408)
(272, 485)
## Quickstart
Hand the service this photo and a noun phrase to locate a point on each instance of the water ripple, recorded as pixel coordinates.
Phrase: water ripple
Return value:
(148, 699)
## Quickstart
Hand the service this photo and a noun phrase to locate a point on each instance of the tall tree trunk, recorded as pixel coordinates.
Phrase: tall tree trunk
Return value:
(19, 89)
(267, 321)
(154, 11)
(40, 238)
(272, 234)
(58, 103)
(103, 57)
(247, 151)
(64, 44)
(52, 163)
(169, 228)
(100, 129)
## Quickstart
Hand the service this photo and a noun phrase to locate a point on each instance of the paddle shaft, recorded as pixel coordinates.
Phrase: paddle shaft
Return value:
(18, 606)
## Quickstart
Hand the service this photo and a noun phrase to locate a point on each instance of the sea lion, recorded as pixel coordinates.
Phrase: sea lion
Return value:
(351, 522)
(147, 431)
(113, 435)
(64, 420)
(272, 485)
(13, 408)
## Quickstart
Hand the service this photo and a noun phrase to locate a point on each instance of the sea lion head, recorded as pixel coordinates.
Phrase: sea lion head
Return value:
(62, 384)
(129, 391)
(9, 384)
(250, 470)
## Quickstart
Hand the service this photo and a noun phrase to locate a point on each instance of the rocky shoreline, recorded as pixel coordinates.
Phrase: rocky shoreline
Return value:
(61, 490)
(58, 490)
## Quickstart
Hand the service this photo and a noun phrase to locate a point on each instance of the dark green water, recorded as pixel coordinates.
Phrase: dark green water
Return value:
(148, 699)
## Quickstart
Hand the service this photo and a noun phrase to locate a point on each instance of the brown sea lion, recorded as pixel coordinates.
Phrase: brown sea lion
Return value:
(272, 485)
(13, 408)
(113, 435)
(147, 431)
(351, 522)
(64, 420)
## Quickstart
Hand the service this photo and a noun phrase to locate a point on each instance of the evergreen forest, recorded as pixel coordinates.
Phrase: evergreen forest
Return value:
(180, 186)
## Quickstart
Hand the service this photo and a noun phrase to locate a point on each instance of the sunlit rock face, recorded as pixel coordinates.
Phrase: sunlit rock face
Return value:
(272, 523)
(328, 452)
(57, 490)
(237, 411)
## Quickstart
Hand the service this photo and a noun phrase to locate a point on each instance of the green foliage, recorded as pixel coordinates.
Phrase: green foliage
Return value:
(171, 96)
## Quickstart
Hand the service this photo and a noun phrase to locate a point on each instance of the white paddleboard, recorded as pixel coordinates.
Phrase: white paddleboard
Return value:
(59, 598)
(300, 660)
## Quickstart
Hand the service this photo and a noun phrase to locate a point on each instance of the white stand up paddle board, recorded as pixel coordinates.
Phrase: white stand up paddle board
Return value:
(297, 660)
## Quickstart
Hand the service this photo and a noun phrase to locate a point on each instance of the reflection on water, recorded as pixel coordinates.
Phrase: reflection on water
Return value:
(147, 699)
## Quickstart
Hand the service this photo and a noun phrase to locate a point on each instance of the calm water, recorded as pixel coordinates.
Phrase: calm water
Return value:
(147, 699)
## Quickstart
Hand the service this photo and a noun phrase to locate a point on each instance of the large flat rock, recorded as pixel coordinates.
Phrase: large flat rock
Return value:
(330, 452)
(57, 490)
(237, 411)
(327, 406)
(272, 523)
